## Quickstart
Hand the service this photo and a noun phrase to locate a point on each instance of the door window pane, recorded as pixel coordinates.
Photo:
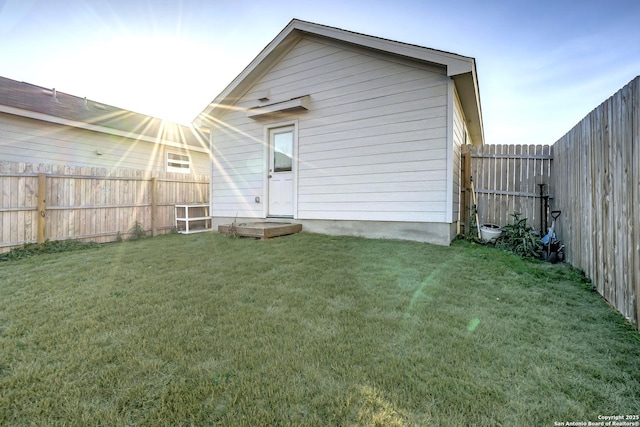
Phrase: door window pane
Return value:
(282, 151)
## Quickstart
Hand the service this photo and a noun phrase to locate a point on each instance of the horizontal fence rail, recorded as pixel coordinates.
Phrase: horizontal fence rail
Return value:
(39, 202)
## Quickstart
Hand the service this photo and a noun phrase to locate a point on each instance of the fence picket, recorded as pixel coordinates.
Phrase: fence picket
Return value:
(634, 213)
(598, 191)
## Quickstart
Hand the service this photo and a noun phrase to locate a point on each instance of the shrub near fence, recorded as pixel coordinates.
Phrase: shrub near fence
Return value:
(61, 202)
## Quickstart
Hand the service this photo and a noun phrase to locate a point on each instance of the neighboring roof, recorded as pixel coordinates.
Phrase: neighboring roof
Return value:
(35, 102)
(461, 68)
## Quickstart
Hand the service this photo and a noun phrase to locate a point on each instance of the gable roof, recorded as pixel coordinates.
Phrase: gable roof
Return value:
(461, 68)
(36, 102)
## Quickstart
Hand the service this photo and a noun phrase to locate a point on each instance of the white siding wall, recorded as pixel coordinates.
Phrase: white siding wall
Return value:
(371, 147)
(35, 141)
(238, 171)
(459, 132)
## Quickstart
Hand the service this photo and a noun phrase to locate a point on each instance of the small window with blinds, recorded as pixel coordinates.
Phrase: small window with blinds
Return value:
(180, 163)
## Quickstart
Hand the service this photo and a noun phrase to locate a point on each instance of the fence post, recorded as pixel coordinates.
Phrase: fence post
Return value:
(465, 207)
(154, 206)
(42, 205)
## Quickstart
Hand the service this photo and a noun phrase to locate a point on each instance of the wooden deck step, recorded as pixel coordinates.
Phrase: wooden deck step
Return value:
(260, 230)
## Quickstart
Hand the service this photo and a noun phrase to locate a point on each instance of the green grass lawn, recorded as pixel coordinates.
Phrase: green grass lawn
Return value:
(307, 330)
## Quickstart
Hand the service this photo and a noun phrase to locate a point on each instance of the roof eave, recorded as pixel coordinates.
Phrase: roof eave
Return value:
(455, 64)
(279, 44)
(102, 129)
(469, 93)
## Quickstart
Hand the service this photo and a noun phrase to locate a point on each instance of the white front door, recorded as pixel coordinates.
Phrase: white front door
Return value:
(281, 160)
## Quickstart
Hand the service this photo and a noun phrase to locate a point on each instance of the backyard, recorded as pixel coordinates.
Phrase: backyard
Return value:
(307, 330)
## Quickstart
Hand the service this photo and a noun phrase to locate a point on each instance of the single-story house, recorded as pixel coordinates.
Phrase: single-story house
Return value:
(41, 125)
(346, 134)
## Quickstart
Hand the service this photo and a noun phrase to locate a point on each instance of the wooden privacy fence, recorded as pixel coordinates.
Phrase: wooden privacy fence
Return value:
(507, 180)
(597, 187)
(41, 202)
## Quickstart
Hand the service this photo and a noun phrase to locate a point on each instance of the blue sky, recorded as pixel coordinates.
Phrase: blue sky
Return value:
(542, 65)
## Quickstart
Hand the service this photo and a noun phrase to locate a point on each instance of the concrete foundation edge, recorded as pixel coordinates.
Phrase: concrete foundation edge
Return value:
(427, 232)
